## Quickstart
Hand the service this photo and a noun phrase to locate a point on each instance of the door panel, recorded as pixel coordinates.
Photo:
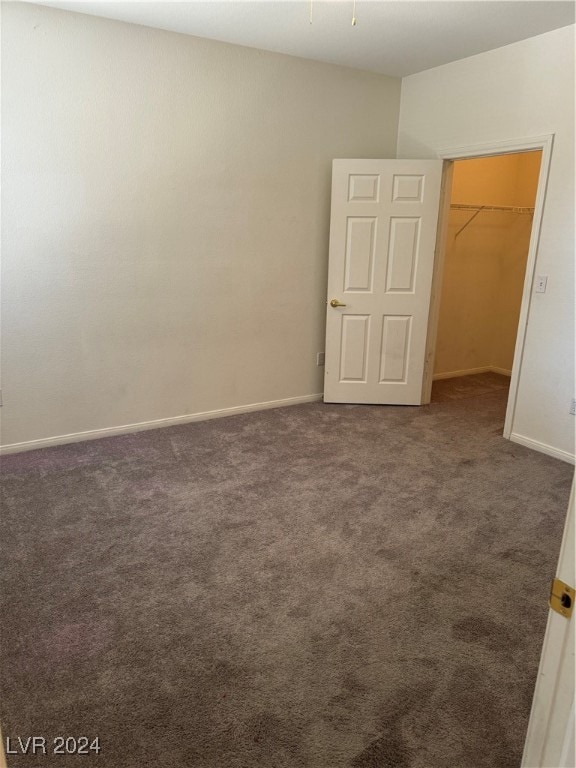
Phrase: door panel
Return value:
(394, 349)
(359, 267)
(382, 240)
(355, 334)
(402, 254)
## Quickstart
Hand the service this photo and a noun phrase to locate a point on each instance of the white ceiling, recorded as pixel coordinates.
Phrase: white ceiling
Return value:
(393, 37)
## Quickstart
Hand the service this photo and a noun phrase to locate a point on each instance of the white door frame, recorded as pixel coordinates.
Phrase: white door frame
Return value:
(449, 155)
(550, 735)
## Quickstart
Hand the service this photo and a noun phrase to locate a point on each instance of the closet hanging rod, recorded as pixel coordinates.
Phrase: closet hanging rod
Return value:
(470, 207)
(479, 208)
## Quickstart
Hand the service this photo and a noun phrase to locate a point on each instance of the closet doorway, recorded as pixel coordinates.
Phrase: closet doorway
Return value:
(487, 240)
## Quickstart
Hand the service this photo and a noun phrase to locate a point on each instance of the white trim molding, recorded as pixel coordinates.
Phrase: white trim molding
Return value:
(501, 147)
(457, 374)
(536, 445)
(471, 372)
(95, 434)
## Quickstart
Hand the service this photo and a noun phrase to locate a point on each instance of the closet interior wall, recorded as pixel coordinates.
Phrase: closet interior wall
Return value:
(485, 263)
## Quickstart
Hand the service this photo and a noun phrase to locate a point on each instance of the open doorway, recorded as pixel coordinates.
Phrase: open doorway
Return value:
(487, 242)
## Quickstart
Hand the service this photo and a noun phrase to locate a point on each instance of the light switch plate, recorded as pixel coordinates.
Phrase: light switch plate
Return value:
(541, 281)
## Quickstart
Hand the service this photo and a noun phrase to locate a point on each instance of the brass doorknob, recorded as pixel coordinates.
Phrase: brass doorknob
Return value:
(335, 303)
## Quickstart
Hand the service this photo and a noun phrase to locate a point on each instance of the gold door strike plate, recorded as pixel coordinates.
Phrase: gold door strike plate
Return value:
(562, 598)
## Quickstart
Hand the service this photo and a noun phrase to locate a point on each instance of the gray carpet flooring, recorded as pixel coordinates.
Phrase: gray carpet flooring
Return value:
(320, 586)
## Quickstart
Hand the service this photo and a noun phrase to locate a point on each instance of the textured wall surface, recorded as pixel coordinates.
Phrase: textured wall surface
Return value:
(165, 219)
(519, 91)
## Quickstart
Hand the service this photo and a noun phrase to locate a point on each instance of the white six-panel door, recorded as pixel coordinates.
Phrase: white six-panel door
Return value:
(382, 240)
(550, 740)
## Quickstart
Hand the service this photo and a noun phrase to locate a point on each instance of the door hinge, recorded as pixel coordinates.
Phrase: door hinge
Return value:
(562, 598)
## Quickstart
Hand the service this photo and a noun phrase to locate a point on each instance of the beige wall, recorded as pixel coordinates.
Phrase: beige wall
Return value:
(518, 91)
(166, 204)
(485, 264)
(165, 219)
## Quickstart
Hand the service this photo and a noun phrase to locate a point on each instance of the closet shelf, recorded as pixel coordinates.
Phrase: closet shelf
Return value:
(479, 208)
(511, 208)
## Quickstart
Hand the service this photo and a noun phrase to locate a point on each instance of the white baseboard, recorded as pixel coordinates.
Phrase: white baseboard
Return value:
(455, 374)
(125, 429)
(536, 445)
(471, 372)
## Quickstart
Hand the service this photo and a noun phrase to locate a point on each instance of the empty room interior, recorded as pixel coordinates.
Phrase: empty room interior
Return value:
(287, 398)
